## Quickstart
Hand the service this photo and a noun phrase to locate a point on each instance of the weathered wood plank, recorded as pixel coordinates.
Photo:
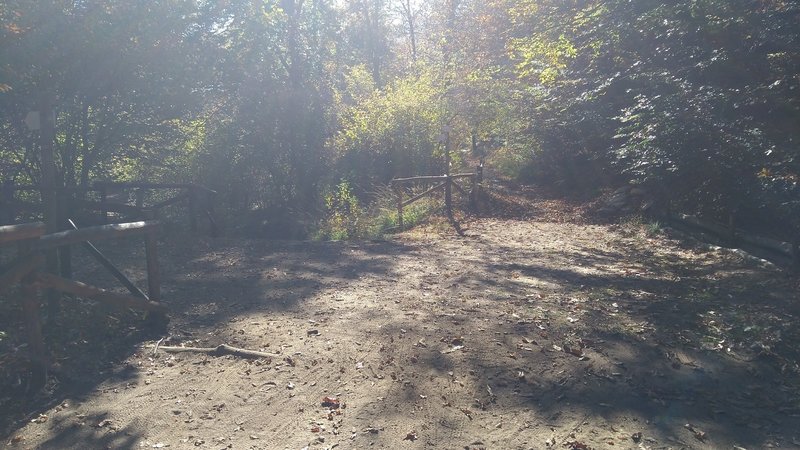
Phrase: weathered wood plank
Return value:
(97, 233)
(153, 270)
(419, 196)
(11, 233)
(460, 189)
(432, 178)
(31, 305)
(399, 193)
(95, 293)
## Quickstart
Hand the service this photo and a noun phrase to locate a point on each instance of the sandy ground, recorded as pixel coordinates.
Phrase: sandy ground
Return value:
(522, 334)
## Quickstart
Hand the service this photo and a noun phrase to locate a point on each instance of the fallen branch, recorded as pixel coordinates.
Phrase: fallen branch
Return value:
(219, 350)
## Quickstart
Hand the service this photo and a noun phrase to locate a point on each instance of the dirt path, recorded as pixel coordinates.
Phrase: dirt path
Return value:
(525, 334)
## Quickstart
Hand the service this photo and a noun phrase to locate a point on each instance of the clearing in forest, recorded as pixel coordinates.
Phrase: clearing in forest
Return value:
(526, 333)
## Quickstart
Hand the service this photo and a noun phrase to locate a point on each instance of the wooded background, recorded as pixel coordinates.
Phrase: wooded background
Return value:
(295, 109)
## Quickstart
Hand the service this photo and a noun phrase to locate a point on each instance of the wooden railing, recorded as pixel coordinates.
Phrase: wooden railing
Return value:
(447, 182)
(26, 271)
(199, 201)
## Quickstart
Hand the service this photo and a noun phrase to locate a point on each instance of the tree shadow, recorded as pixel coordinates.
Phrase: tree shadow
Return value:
(236, 278)
(662, 345)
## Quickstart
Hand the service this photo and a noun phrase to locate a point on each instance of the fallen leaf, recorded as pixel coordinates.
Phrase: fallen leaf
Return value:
(290, 385)
(42, 418)
(412, 436)
(637, 437)
(330, 402)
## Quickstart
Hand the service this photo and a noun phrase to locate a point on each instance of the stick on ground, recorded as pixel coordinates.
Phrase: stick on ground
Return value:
(219, 350)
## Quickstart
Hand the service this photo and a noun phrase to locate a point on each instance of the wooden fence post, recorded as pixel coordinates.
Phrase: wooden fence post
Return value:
(399, 191)
(31, 304)
(153, 272)
(193, 209)
(211, 200)
(47, 186)
(9, 215)
(139, 193)
(33, 327)
(65, 252)
(473, 194)
(448, 187)
(103, 204)
(732, 227)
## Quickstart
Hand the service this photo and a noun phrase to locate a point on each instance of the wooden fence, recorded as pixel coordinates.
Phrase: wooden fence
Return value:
(446, 182)
(25, 270)
(113, 198)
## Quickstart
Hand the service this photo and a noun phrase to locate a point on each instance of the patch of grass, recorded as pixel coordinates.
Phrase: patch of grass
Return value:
(638, 226)
(347, 219)
(653, 228)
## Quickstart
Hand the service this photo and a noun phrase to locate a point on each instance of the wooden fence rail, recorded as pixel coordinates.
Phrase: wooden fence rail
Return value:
(199, 200)
(11, 233)
(33, 244)
(447, 182)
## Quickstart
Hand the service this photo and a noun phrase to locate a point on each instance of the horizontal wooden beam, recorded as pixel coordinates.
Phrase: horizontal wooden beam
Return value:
(11, 233)
(143, 185)
(419, 196)
(97, 233)
(110, 206)
(432, 178)
(460, 189)
(95, 293)
(18, 270)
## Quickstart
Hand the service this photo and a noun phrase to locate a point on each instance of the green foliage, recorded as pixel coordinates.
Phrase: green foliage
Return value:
(343, 213)
(269, 102)
(390, 132)
(346, 219)
(691, 99)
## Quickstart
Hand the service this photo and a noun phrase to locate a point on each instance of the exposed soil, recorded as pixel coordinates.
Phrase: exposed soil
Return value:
(535, 330)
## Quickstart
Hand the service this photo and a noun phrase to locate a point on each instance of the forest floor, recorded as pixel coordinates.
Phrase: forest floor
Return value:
(536, 329)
